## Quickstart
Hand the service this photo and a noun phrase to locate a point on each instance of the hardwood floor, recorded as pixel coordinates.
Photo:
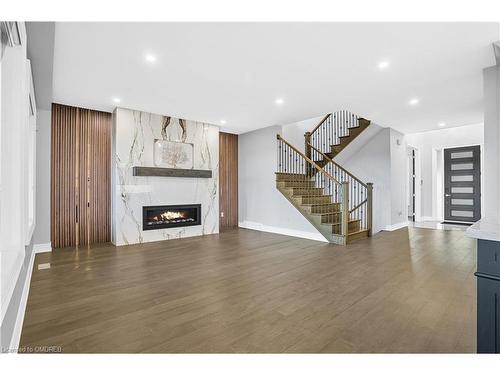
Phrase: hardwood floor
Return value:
(411, 290)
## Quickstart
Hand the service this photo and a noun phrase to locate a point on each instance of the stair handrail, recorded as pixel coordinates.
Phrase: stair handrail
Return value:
(338, 166)
(331, 129)
(309, 160)
(308, 135)
(321, 122)
(368, 186)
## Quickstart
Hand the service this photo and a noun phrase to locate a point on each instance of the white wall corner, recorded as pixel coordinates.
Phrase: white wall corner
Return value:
(397, 226)
(42, 247)
(284, 231)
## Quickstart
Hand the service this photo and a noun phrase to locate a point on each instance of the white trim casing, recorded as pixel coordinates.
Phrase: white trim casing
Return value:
(16, 334)
(428, 218)
(397, 226)
(30, 162)
(287, 232)
(42, 247)
(14, 274)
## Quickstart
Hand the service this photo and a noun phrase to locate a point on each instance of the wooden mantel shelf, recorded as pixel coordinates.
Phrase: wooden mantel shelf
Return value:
(171, 172)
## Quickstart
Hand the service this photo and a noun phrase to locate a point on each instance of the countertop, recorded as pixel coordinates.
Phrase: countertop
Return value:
(485, 229)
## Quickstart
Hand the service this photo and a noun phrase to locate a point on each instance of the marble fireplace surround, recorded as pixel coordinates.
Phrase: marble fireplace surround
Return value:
(134, 133)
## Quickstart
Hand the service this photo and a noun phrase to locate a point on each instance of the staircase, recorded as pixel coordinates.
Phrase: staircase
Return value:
(333, 133)
(334, 201)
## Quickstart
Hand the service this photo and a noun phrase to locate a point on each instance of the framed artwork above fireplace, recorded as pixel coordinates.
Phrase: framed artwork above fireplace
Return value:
(172, 154)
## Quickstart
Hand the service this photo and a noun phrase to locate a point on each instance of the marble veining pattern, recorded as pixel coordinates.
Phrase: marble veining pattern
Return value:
(134, 137)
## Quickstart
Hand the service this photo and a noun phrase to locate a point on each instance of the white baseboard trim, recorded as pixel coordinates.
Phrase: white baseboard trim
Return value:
(397, 226)
(287, 232)
(16, 334)
(42, 247)
(428, 218)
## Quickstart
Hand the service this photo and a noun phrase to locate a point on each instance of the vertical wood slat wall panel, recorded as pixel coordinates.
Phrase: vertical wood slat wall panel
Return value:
(228, 180)
(80, 176)
(95, 172)
(63, 151)
(83, 218)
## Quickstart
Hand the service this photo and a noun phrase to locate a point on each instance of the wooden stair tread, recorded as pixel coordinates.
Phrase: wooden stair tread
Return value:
(338, 223)
(358, 232)
(311, 196)
(319, 204)
(297, 183)
(326, 213)
(348, 138)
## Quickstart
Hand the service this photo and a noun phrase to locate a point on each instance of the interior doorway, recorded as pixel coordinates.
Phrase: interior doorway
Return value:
(462, 184)
(412, 183)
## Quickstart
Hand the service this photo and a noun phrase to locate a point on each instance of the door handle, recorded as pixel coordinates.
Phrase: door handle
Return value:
(447, 195)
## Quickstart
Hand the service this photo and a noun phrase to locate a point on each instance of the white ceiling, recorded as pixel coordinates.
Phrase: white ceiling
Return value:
(235, 71)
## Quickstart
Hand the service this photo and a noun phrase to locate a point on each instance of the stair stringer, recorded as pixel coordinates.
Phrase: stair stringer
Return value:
(324, 229)
(357, 143)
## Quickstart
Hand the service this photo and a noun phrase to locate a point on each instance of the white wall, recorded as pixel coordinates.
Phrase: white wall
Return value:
(11, 177)
(491, 79)
(294, 132)
(429, 164)
(371, 162)
(16, 181)
(261, 205)
(399, 176)
(41, 236)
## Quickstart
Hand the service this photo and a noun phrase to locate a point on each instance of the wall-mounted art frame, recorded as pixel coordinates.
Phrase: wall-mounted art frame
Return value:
(171, 154)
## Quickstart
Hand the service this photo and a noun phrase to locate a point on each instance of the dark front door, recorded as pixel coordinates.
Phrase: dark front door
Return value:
(462, 184)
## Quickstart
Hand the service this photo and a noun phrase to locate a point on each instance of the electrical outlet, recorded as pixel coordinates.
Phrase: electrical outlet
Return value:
(222, 214)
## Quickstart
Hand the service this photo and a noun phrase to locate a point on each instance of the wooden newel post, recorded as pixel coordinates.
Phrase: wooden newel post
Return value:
(369, 208)
(345, 209)
(307, 140)
(307, 150)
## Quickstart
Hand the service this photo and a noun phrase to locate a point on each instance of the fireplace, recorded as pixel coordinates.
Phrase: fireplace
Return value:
(159, 217)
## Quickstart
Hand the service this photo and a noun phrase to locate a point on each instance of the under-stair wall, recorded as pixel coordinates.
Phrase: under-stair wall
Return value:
(372, 161)
(261, 206)
(381, 158)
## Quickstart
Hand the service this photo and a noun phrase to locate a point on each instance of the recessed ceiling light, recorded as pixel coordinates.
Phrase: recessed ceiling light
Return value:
(279, 101)
(150, 58)
(117, 100)
(414, 101)
(441, 124)
(222, 122)
(383, 64)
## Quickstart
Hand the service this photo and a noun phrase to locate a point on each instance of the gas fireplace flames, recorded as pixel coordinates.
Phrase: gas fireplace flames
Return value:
(182, 215)
(170, 217)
